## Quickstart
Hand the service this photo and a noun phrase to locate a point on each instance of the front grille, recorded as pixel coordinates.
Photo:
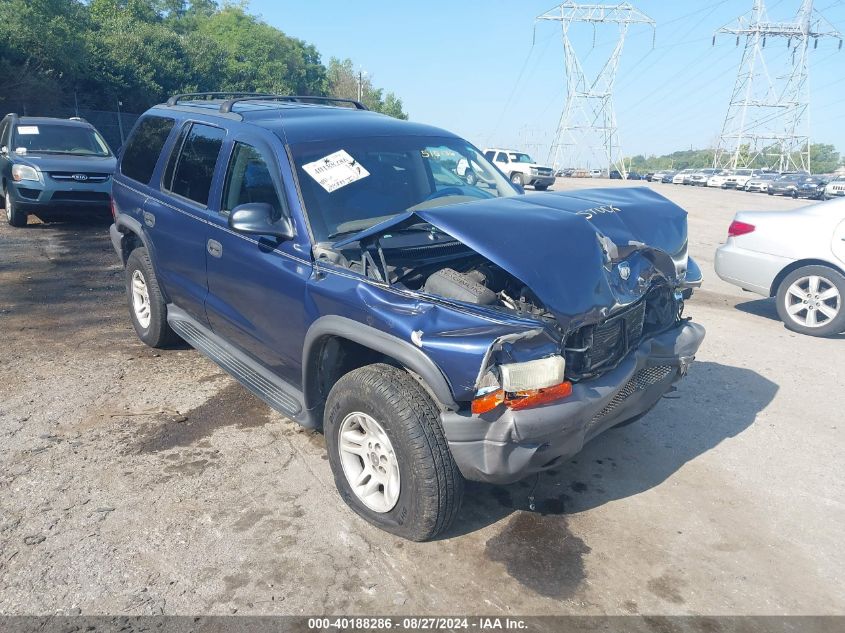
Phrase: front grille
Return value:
(640, 381)
(68, 176)
(594, 349)
(542, 171)
(81, 196)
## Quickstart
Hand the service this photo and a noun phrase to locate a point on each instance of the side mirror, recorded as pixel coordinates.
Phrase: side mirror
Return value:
(256, 218)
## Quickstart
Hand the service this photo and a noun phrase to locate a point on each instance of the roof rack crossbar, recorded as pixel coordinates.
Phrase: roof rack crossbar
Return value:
(227, 105)
(210, 95)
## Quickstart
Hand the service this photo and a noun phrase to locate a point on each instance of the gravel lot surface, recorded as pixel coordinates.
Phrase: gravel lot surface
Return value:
(140, 481)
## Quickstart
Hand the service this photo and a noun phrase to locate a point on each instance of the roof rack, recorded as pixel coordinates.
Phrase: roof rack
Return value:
(174, 100)
(226, 106)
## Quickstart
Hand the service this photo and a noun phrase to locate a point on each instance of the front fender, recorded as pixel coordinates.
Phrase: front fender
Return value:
(411, 357)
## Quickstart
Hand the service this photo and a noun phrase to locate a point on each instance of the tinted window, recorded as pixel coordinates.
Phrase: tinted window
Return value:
(489, 155)
(248, 179)
(3, 127)
(140, 154)
(194, 168)
(501, 157)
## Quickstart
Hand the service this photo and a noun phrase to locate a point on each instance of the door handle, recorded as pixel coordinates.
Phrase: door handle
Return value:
(215, 248)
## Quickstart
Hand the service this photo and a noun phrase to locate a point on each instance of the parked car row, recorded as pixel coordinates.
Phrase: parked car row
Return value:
(794, 184)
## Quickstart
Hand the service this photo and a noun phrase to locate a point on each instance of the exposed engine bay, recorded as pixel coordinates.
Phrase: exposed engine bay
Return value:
(442, 267)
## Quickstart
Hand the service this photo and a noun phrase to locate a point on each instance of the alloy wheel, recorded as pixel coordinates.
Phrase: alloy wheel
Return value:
(369, 461)
(813, 301)
(141, 299)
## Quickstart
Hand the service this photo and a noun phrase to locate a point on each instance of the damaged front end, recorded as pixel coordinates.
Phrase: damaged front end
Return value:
(560, 315)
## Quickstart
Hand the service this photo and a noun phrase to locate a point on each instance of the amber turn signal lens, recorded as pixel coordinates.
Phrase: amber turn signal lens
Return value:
(538, 397)
(488, 402)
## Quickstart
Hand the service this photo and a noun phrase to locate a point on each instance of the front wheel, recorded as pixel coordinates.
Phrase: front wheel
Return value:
(517, 179)
(471, 178)
(388, 453)
(14, 216)
(810, 301)
(146, 302)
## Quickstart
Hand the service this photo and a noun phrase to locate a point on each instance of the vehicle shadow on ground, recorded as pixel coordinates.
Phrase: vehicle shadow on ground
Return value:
(714, 403)
(767, 309)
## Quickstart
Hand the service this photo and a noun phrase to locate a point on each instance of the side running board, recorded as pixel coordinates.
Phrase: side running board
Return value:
(275, 391)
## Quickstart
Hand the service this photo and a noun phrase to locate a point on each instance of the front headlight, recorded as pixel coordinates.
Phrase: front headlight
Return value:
(25, 172)
(534, 171)
(525, 385)
(532, 374)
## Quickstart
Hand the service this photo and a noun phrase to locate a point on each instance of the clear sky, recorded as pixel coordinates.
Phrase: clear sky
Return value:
(476, 67)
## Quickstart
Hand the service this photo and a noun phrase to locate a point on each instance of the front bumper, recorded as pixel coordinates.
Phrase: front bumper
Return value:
(543, 181)
(504, 446)
(34, 196)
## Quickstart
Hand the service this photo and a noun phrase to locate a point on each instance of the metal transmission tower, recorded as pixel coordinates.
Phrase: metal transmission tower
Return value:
(767, 123)
(588, 114)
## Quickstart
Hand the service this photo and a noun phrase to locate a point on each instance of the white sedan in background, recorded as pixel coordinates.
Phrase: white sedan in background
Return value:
(798, 257)
(719, 179)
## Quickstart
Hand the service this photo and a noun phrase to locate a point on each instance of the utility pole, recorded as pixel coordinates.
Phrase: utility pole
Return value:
(767, 122)
(360, 85)
(588, 121)
(120, 123)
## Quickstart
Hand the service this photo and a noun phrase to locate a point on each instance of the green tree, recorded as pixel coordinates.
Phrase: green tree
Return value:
(342, 80)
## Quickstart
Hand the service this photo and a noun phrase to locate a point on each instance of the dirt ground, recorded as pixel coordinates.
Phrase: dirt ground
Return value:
(143, 482)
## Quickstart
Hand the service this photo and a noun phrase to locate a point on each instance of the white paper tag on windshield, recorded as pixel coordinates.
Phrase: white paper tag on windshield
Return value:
(335, 170)
(27, 129)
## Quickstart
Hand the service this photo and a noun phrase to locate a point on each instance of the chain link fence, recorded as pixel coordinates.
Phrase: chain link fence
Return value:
(114, 126)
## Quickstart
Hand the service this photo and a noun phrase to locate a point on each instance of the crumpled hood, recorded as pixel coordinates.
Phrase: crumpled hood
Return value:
(555, 243)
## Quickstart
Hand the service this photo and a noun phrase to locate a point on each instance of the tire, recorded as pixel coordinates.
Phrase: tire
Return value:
(796, 288)
(470, 178)
(517, 179)
(149, 316)
(541, 187)
(430, 486)
(14, 216)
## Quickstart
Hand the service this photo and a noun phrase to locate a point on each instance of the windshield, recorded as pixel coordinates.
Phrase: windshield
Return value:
(77, 140)
(349, 185)
(517, 157)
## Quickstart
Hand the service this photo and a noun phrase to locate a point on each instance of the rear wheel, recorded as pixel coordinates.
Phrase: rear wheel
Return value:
(14, 216)
(388, 454)
(146, 302)
(810, 301)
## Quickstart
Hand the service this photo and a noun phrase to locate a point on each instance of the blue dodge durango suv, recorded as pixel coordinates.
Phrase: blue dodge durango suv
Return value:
(332, 260)
(53, 166)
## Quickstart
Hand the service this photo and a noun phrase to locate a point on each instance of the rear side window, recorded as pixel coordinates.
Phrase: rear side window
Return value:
(248, 180)
(190, 169)
(141, 152)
